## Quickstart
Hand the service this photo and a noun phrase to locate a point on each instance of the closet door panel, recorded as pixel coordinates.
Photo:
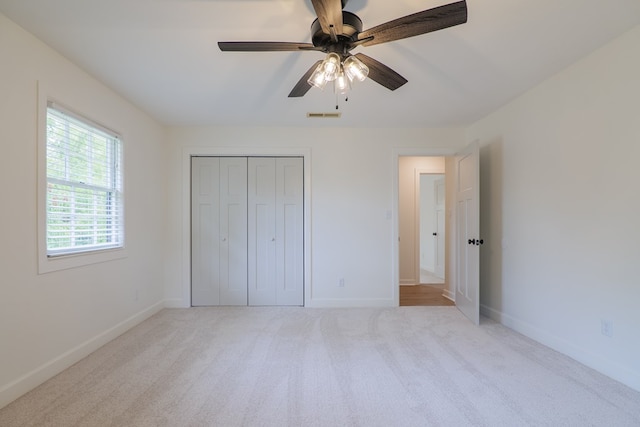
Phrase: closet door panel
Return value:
(262, 231)
(233, 231)
(290, 231)
(205, 250)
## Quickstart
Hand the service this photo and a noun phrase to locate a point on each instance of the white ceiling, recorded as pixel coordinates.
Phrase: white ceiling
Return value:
(162, 55)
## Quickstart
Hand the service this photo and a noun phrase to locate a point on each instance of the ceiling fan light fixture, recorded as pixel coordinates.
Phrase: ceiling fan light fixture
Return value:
(355, 69)
(331, 66)
(318, 78)
(342, 84)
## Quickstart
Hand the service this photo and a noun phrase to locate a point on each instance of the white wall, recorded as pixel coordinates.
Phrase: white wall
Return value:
(351, 173)
(560, 210)
(49, 321)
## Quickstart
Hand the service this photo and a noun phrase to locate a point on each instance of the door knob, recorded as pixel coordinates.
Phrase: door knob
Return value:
(472, 241)
(479, 242)
(435, 234)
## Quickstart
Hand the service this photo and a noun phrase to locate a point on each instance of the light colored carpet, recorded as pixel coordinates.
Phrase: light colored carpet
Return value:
(407, 366)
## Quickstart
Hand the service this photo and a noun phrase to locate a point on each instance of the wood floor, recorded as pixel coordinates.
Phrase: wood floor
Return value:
(427, 295)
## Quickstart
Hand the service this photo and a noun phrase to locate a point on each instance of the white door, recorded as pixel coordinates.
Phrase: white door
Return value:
(439, 238)
(468, 232)
(205, 232)
(262, 231)
(276, 253)
(219, 231)
(289, 231)
(233, 231)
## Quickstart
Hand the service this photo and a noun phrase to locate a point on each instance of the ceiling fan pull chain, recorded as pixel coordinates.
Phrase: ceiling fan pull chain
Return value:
(346, 99)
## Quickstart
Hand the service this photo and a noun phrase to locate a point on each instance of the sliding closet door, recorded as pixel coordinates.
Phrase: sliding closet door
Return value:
(219, 231)
(275, 227)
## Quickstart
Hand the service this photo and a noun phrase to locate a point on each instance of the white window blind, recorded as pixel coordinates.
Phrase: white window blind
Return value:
(84, 185)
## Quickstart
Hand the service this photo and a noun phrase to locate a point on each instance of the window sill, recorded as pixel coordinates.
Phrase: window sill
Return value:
(48, 264)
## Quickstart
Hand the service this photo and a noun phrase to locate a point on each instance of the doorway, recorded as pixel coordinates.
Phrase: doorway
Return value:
(422, 228)
(462, 171)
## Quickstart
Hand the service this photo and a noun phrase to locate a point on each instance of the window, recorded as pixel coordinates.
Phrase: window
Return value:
(84, 198)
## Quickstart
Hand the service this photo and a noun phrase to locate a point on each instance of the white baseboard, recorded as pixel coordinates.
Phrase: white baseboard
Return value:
(314, 303)
(31, 380)
(618, 372)
(449, 295)
(175, 303)
(350, 303)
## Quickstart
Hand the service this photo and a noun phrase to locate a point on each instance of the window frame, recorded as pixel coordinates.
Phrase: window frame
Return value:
(48, 262)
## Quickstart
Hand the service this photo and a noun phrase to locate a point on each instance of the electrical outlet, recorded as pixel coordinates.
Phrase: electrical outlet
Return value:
(606, 327)
(341, 283)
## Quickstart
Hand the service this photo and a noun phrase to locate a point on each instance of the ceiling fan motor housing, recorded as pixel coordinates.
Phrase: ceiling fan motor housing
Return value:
(351, 26)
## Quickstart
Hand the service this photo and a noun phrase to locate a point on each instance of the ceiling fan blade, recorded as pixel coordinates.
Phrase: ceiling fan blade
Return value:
(329, 14)
(423, 22)
(263, 46)
(380, 73)
(302, 87)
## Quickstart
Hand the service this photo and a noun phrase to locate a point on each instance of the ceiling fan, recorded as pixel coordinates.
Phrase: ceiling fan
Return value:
(336, 32)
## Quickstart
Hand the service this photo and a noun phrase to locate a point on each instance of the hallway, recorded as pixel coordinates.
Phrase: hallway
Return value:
(423, 295)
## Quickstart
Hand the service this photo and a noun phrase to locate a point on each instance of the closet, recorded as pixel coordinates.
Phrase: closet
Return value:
(247, 231)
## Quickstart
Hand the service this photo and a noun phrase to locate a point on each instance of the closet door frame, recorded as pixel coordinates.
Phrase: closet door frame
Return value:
(184, 300)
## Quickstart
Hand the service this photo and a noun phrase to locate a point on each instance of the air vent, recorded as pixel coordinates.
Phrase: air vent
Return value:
(324, 115)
